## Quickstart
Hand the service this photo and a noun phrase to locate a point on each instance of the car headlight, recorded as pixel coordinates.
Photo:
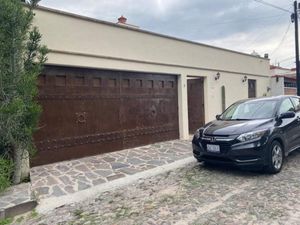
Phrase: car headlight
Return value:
(198, 133)
(251, 135)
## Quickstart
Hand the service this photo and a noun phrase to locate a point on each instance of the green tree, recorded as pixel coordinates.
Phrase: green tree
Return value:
(21, 59)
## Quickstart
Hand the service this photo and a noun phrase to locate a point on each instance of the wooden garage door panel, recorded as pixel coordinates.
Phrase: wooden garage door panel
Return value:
(78, 117)
(88, 112)
(99, 118)
(78, 150)
(195, 104)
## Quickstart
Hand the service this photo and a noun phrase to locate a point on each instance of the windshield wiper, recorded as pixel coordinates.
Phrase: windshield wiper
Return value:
(240, 119)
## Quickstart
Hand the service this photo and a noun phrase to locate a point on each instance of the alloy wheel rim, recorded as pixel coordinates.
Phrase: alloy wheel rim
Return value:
(277, 157)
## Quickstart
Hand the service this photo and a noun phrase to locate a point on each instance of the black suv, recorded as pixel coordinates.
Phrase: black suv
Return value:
(255, 132)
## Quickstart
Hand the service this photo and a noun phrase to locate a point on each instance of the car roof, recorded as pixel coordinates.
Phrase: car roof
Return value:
(276, 98)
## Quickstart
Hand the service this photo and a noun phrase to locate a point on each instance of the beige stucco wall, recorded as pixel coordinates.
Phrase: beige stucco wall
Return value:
(277, 86)
(82, 42)
(235, 89)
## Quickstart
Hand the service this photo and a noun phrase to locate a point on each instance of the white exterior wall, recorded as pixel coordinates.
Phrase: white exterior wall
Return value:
(83, 42)
(281, 71)
(235, 90)
(277, 86)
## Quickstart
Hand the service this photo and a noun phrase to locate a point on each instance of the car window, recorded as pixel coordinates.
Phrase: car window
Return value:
(296, 102)
(286, 106)
(250, 110)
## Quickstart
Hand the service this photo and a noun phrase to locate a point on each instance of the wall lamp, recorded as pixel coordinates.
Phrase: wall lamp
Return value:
(268, 89)
(217, 76)
(245, 79)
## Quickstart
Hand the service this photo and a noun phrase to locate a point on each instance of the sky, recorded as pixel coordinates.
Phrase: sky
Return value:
(240, 25)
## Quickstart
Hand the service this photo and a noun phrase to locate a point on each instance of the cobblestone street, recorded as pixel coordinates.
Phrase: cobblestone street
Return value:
(193, 195)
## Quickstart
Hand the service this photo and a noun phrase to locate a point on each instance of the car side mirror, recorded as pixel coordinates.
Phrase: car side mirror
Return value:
(287, 115)
(218, 117)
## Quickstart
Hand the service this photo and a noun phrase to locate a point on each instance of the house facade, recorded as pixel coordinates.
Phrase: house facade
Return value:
(283, 81)
(109, 86)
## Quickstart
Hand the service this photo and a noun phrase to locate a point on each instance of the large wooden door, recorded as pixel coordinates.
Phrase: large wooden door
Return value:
(87, 112)
(195, 104)
(251, 88)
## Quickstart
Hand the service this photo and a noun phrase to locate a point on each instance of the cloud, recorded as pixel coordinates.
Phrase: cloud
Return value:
(242, 25)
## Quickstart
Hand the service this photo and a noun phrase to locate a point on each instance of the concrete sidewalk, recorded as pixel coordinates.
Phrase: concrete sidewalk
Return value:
(72, 181)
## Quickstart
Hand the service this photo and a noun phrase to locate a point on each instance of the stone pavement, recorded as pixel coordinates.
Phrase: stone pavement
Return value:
(16, 199)
(63, 178)
(196, 195)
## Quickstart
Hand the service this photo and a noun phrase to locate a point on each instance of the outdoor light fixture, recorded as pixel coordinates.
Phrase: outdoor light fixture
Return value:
(217, 77)
(245, 79)
(268, 89)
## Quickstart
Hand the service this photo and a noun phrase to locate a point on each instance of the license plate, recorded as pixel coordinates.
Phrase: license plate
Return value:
(213, 148)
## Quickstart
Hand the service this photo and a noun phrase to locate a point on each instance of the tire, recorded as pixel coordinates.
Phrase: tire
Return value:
(207, 164)
(275, 158)
(199, 160)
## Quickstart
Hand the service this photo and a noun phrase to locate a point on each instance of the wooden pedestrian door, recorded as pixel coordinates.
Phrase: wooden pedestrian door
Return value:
(195, 103)
(251, 88)
(88, 112)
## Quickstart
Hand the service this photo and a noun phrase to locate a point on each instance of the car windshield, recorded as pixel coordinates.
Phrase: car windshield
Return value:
(251, 110)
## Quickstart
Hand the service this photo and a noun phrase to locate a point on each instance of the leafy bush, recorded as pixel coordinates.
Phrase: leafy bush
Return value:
(6, 169)
(6, 221)
(21, 60)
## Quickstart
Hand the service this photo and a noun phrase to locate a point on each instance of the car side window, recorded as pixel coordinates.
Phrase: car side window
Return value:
(286, 106)
(296, 102)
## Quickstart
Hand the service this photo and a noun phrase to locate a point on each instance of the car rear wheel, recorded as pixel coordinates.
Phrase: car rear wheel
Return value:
(275, 157)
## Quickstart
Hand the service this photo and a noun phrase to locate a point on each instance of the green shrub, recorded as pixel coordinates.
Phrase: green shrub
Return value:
(22, 57)
(6, 169)
(6, 221)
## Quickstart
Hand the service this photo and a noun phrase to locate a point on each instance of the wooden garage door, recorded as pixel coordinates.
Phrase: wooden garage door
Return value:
(87, 112)
(195, 104)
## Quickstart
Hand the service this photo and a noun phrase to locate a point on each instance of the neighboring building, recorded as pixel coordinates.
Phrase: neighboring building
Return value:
(109, 86)
(283, 81)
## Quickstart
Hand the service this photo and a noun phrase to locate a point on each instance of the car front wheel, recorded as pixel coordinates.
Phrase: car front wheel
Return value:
(275, 157)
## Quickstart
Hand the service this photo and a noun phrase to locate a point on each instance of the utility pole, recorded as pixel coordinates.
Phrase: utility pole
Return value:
(295, 20)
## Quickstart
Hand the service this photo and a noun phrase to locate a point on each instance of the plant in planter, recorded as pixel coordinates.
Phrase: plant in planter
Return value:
(21, 59)
(6, 167)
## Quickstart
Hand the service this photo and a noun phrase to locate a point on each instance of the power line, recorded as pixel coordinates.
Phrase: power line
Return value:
(260, 34)
(247, 19)
(288, 5)
(287, 59)
(274, 6)
(290, 64)
(283, 38)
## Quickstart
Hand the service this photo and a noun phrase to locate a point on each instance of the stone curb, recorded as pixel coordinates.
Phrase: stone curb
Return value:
(16, 200)
(48, 204)
(17, 209)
